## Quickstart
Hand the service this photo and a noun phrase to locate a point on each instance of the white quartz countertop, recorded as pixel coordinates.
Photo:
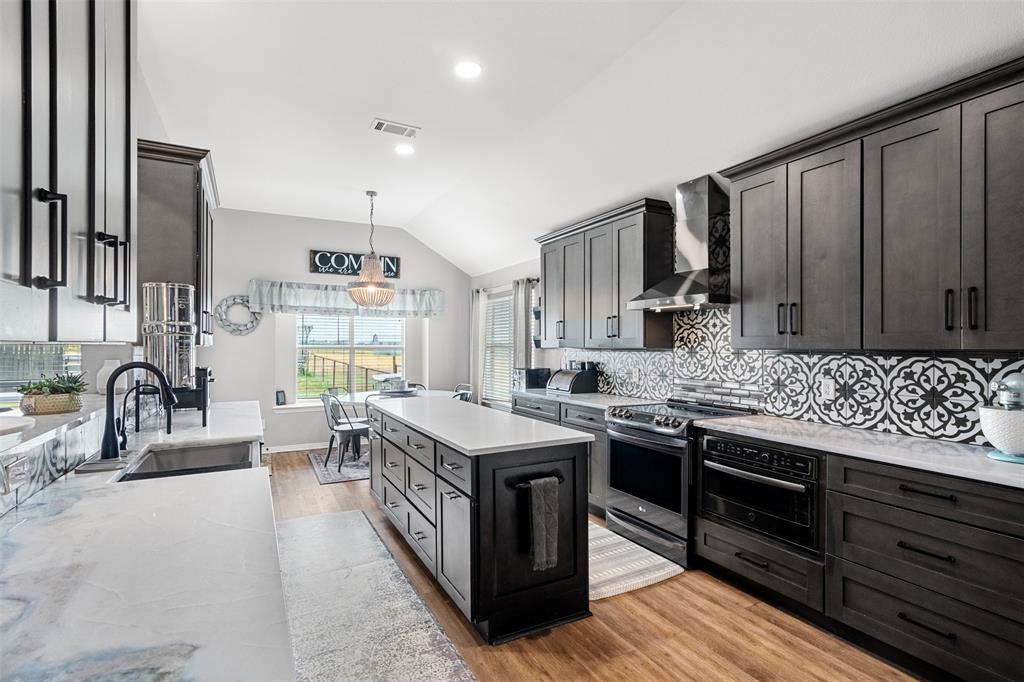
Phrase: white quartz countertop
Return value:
(475, 430)
(227, 422)
(49, 426)
(173, 577)
(954, 459)
(598, 401)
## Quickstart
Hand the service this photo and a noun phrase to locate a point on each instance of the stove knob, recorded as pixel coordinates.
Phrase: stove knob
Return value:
(627, 414)
(676, 423)
(764, 457)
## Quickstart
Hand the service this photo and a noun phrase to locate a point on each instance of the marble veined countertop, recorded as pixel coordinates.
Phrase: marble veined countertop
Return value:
(954, 459)
(474, 430)
(598, 401)
(173, 577)
(49, 426)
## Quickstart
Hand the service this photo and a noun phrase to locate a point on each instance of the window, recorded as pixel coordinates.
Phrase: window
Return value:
(24, 362)
(498, 349)
(345, 352)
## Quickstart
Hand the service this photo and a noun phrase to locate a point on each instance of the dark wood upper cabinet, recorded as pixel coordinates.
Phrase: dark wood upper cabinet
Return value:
(562, 286)
(912, 234)
(993, 220)
(551, 294)
(598, 287)
(823, 283)
(642, 254)
(758, 253)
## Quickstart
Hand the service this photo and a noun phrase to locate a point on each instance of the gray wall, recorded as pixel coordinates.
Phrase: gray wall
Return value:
(265, 246)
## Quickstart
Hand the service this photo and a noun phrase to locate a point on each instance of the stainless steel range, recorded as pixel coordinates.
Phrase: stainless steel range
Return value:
(651, 472)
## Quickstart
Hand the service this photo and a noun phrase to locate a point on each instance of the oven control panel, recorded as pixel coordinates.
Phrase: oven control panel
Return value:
(779, 460)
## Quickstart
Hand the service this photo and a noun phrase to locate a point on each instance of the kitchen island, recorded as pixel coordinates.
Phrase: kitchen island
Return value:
(456, 479)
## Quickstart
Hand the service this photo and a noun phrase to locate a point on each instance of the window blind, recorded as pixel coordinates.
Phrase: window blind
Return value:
(344, 353)
(498, 349)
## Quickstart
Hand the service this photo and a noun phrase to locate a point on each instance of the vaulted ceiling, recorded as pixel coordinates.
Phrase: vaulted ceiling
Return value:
(581, 105)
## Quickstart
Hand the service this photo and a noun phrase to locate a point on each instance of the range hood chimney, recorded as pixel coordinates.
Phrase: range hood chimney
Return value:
(701, 278)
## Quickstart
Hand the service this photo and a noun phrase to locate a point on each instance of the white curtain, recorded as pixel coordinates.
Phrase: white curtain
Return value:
(477, 318)
(301, 297)
(522, 315)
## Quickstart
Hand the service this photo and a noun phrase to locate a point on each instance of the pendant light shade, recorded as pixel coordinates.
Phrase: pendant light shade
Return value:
(369, 289)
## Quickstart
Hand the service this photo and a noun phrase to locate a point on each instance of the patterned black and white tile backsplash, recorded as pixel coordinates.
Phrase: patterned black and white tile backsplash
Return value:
(916, 394)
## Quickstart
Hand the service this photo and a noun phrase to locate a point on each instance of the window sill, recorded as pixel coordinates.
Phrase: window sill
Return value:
(497, 405)
(312, 405)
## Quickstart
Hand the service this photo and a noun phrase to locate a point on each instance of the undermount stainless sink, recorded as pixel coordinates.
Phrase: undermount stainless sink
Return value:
(192, 459)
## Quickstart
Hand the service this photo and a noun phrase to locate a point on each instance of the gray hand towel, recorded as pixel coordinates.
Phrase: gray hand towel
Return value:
(544, 522)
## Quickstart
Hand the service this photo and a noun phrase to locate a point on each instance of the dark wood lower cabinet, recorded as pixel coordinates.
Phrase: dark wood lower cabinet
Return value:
(376, 463)
(469, 523)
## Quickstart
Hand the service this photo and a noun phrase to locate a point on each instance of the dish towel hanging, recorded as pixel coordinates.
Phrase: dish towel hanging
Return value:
(544, 522)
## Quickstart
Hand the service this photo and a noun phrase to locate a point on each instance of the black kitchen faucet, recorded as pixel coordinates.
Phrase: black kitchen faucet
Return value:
(111, 447)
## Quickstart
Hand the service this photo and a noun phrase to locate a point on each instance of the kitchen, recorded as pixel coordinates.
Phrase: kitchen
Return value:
(448, 399)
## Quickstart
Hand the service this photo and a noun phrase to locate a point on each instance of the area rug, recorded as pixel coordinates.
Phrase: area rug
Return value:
(619, 565)
(350, 470)
(352, 613)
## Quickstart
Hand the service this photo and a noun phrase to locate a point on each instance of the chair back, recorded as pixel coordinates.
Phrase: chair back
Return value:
(464, 392)
(334, 410)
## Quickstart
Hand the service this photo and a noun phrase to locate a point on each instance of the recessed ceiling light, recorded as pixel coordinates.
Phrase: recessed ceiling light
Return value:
(467, 70)
(404, 150)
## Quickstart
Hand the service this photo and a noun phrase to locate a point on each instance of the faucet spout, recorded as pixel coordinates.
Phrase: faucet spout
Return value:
(111, 448)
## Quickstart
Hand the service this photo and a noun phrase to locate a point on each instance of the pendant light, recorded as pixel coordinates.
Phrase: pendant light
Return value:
(369, 289)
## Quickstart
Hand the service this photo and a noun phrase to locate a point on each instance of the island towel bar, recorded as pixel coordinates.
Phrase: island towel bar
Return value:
(520, 485)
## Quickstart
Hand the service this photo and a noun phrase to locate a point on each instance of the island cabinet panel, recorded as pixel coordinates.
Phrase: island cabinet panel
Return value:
(423, 538)
(456, 468)
(993, 220)
(455, 545)
(419, 487)
(912, 234)
(376, 464)
(394, 463)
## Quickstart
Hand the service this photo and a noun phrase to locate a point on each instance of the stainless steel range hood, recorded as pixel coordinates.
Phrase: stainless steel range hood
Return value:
(701, 278)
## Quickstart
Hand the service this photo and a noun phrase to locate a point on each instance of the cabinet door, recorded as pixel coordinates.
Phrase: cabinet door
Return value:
(823, 285)
(598, 287)
(24, 310)
(78, 318)
(376, 462)
(551, 294)
(912, 234)
(119, 162)
(993, 220)
(597, 486)
(454, 544)
(627, 281)
(759, 260)
(573, 288)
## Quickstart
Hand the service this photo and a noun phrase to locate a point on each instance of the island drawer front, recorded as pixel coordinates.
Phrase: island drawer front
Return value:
(396, 507)
(978, 504)
(770, 565)
(455, 468)
(394, 430)
(964, 562)
(423, 540)
(420, 487)
(955, 636)
(420, 448)
(536, 407)
(393, 459)
(375, 418)
(587, 417)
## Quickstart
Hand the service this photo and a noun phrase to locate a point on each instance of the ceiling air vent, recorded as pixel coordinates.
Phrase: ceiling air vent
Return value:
(382, 126)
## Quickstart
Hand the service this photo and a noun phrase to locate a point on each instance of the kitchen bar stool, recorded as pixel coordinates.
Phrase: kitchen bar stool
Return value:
(347, 430)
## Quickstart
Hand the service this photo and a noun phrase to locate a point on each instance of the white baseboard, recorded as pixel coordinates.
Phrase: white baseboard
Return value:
(270, 450)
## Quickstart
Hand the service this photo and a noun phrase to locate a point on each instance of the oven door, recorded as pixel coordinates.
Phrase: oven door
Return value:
(649, 480)
(773, 504)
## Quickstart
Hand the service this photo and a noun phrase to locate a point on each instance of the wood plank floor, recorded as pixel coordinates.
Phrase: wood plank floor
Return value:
(691, 627)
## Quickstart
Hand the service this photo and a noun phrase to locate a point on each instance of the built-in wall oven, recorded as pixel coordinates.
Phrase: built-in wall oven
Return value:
(774, 492)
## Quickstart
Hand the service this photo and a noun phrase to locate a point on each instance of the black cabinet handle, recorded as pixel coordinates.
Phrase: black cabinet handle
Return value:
(910, 548)
(53, 281)
(792, 319)
(126, 270)
(608, 327)
(949, 312)
(908, 619)
(903, 487)
(615, 325)
(972, 307)
(560, 329)
(763, 565)
(108, 241)
(782, 318)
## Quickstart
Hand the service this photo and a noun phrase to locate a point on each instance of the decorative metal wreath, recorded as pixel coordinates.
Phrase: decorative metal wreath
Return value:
(220, 313)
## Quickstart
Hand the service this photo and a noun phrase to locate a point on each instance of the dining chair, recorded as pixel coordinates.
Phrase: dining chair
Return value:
(463, 392)
(344, 428)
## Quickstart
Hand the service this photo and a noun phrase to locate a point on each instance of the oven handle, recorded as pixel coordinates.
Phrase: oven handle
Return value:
(670, 448)
(750, 476)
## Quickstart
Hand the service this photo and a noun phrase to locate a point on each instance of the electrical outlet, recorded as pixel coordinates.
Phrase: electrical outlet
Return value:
(636, 374)
(827, 388)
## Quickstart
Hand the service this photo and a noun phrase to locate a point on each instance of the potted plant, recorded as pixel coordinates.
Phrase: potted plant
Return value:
(57, 395)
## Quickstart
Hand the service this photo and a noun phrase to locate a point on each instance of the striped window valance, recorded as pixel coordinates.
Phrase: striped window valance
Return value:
(267, 296)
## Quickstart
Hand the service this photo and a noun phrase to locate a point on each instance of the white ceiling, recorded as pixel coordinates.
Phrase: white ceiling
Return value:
(581, 106)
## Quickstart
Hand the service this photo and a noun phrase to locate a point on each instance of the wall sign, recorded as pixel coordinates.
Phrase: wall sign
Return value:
(341, 263)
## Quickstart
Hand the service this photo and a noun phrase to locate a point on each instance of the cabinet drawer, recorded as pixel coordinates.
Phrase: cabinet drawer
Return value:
(423, 540)
(419, 447)
(967, 563)
(395, 506)
(979, 504)
(536, 407)
(957, 637)
(393, 460)
(419, 487)
(588, 418)
(394, 430)
(376, 419)
(456, 468)
(778, 569)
